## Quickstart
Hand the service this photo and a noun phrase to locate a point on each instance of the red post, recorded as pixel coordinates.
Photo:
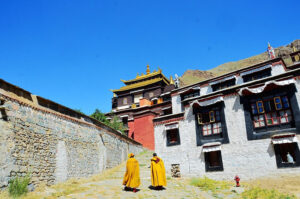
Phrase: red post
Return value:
(237, 180)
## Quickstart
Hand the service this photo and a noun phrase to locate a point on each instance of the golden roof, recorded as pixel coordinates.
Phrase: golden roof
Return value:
(141, 84)
(145, 76)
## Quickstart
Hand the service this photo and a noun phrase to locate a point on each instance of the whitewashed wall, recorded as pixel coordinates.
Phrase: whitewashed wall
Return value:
(277, 69)
(248, 159)
(176, 104)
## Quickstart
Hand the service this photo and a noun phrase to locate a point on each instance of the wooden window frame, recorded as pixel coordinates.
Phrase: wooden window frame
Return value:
(218, 133)
(200, 119)
(271, 113)
(211, 115)
(263, 108)
(280, 102)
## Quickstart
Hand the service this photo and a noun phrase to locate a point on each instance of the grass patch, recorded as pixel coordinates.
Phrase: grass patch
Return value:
(144, 152)
(259, 193)
(18, 186)
(207, 184)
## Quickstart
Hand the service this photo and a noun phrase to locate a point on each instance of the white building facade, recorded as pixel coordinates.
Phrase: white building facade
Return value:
(244, 123)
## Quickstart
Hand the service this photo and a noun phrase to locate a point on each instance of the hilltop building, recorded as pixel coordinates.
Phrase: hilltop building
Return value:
(140, 101)
(246, 122)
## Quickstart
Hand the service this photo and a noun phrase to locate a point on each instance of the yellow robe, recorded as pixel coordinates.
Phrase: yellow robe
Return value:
(132, 175)
(158, 172)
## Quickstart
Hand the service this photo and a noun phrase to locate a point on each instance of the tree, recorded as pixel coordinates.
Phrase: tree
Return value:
(98, 115)
(113, 123)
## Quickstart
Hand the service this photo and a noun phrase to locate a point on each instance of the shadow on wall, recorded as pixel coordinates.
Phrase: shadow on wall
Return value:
(237, 104)
(201, 157)
(270, 150)
(189, 115)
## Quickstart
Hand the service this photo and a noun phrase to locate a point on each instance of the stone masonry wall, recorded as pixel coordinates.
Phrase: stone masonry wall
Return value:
(54, 148)
(248, 159)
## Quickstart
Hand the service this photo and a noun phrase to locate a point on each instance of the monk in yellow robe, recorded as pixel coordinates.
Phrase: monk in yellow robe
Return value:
(132, 176)
(158, 172)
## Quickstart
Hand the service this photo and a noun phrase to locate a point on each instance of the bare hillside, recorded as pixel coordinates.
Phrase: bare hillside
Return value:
(193, 76)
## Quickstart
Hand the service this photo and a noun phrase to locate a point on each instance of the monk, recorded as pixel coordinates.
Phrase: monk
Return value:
(132, 176)
(158, 172)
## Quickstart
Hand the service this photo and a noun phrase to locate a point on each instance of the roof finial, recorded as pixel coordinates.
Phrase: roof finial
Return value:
(137, 75)
(148, 69)
(171, 80)
(159, 70)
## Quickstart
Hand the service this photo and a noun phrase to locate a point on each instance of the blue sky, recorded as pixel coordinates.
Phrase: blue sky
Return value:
(73, 52)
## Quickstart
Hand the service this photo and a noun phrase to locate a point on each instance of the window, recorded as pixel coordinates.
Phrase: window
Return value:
(213, 161)
(124, 100)
(223, 85)
(257, 75)
(151, 94)
(173, 137)
(210, 122)
(137, 98)
(190, 94)
(287, 155)
(271, 111)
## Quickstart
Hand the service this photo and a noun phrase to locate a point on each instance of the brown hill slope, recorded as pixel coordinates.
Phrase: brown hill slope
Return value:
(193, 76)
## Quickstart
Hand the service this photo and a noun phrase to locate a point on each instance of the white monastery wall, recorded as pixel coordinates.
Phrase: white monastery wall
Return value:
(176, 104)
(277, 69)
(248, 159)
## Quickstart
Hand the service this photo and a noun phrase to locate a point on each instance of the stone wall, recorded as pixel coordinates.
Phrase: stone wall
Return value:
(248, 159)
(54, 147)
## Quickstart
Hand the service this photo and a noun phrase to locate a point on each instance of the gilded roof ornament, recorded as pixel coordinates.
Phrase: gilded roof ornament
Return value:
(159, 70)
(171, 80)
(148, 69)
(137, 75)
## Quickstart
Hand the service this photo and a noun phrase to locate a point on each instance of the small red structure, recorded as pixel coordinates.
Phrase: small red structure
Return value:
(237, 180)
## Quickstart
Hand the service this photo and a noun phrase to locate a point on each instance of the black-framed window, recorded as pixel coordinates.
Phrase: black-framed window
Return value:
(190, 94)
(210, 121)
(210, 124)
(173, 137)
(223, 85)
(257, 75)
(287, 155)
(213, 161)
(271, 112)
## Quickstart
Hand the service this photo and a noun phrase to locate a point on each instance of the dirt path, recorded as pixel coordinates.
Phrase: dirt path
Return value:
(109, 185)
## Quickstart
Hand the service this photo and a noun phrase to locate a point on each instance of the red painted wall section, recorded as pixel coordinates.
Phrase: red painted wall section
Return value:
(144, 130)
(131, 129)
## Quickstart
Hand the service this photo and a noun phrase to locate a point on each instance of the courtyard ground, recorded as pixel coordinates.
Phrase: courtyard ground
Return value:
(109, 185)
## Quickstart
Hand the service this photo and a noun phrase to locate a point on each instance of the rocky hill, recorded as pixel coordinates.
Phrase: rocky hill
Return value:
(193, 76)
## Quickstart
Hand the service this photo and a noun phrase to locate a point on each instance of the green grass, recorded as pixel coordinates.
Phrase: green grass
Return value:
(207, 184)
(259, 193)
(18, 186)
